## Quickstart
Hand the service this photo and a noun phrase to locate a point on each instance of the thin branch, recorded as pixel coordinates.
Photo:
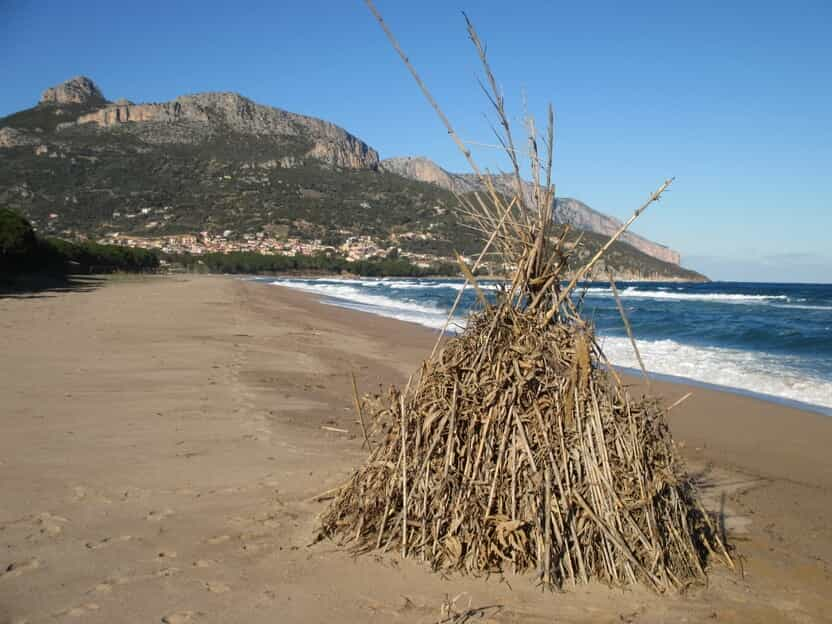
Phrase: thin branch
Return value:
(582, 273)
(629, 329)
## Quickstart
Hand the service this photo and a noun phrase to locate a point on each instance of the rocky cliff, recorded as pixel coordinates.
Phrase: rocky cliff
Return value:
(78, 165)
(205, 116)
(229, 111)
(78, 90)
(567, 210)
(425, 170)
(581, 216)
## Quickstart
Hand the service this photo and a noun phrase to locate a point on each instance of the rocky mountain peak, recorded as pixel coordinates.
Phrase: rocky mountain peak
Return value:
(200, 116)
(77, 90)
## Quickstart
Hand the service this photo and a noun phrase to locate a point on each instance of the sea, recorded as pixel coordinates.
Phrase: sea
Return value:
(773, 341)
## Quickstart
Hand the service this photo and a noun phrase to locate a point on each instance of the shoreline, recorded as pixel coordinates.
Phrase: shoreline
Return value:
(786, 401)
(348, 276)
(802, 406)
(748, 411)
(168, 438)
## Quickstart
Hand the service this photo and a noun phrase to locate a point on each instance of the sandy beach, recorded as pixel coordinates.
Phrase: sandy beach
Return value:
(162, 444)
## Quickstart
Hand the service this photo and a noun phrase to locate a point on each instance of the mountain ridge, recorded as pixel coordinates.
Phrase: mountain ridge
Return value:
(567, 209)
(155, 122)
(79, 165)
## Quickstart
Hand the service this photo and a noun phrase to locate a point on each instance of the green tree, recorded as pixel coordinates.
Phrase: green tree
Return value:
(17, 238)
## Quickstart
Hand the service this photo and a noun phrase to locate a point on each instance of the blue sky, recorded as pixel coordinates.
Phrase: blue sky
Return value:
(734, 98)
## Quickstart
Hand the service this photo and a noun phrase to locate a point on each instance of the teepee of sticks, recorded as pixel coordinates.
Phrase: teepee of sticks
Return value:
(516, 446)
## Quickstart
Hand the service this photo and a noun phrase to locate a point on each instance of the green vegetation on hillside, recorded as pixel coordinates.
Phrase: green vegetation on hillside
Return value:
(148, 179)
(17, 238)
(22, 251)
(257, 264)
(46, 117)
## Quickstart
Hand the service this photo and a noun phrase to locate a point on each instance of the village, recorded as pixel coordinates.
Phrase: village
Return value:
(355, 248)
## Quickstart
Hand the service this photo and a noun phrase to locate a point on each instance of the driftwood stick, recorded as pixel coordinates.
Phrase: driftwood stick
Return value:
(423, 87)
(328, 493)
(357, 402)
(629, 329)
(547, 536)
(334, 429)
(493, 489)
(404, 480)
(679, 401)
(588, 266)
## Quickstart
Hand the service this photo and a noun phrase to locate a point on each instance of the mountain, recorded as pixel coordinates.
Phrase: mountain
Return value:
(190, 119)
(79, 90)
(567, 210)
(79, 165)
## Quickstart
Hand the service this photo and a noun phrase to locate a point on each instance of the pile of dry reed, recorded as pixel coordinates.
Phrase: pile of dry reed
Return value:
(516, 446)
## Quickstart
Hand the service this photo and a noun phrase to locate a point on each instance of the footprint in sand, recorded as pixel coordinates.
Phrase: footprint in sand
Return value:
(41, 524)
(106, 541)
(179, 618)
(186, 492)
(236, 521)
(16, 568)
(133, 493)
(219, 539)
(253, 548)
(106, 586)
(216, 587)
(83, 493)
(93, 545)
(49, 524)
(80, 611)
(158, 516)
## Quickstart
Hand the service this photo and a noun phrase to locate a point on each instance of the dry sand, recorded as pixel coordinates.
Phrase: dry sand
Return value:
(161, 441)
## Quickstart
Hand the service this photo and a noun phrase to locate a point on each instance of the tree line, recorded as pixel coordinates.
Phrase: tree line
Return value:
(255, 263)
(22, 250)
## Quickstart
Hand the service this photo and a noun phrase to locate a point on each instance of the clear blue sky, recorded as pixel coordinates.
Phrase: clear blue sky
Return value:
(734, 98)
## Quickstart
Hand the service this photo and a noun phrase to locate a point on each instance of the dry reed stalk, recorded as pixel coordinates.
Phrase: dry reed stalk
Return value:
(626, 321)
(357, 403)
(679, 401)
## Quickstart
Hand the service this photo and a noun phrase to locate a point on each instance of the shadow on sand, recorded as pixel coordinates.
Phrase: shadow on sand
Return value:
(33, 286)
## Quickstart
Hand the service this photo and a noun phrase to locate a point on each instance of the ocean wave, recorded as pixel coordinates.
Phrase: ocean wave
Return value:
(801, 306)
(779, 375)
(632, 292)
(419, 285)
(391, 283)
(745, 370)
(350, 295)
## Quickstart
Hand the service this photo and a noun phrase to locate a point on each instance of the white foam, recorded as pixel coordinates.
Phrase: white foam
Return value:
(415, 284)
(350, 295)
(633, 293)
(778, 375)
(746, 370)
(801, 306)
(391, 283)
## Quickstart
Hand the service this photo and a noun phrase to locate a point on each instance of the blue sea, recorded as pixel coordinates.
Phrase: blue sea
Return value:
(768, 339)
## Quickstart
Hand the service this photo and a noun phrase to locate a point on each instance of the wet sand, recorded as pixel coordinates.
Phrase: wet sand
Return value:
(162, 444)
